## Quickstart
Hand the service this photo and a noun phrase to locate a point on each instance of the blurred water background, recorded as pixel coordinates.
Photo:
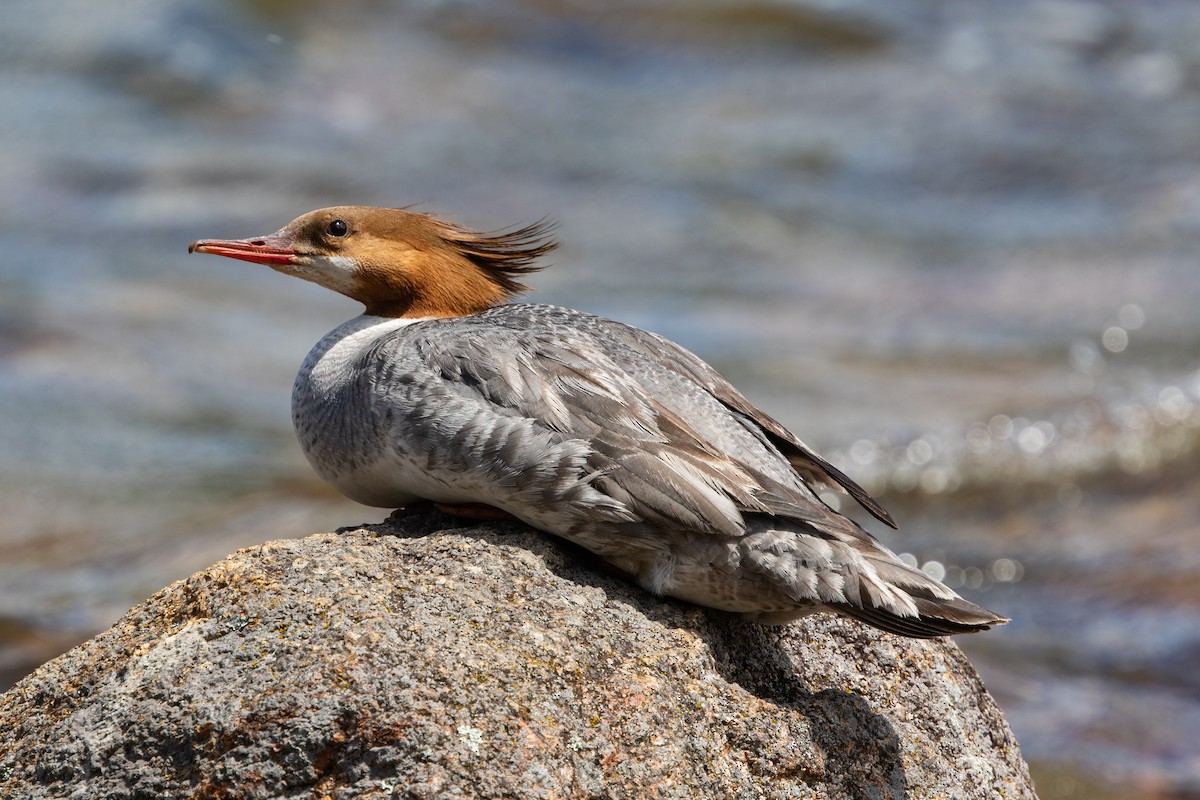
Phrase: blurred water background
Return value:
(954, 245)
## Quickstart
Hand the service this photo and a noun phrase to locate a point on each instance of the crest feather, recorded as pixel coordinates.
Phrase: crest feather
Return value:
(504, 255)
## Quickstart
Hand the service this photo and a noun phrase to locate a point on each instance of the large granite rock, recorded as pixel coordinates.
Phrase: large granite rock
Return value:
(422, 659)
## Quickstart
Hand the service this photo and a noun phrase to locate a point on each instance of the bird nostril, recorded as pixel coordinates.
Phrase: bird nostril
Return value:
(258, 243)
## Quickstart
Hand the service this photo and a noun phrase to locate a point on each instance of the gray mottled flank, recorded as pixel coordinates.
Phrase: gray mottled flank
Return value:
(488, 662)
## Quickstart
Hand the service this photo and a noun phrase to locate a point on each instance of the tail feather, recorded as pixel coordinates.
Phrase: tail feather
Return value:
(940, 611)
(902, 590)
(937, 618)
(874, 585)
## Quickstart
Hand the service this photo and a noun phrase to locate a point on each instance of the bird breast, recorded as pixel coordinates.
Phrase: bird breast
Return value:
(341, 418)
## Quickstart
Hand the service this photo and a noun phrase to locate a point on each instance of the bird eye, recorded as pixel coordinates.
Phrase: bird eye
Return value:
(337, 228)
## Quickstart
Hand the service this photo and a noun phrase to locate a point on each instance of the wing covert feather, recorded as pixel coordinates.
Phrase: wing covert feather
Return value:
(619, 388)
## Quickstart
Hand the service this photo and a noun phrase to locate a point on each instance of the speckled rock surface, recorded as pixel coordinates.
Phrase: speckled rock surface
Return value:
(488, 662)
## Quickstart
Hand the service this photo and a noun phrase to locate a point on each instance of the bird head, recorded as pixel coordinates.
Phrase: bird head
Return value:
(396, 262)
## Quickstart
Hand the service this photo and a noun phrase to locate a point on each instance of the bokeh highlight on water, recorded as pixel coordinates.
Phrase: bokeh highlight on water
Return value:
(952, 245)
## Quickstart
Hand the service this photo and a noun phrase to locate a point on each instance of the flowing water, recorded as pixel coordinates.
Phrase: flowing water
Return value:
(952, 245)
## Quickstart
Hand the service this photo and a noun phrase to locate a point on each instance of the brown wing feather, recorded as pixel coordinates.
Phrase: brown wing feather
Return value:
(812, 467)
(645, 452)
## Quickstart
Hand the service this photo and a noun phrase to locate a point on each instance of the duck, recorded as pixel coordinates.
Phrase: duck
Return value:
(595, 431)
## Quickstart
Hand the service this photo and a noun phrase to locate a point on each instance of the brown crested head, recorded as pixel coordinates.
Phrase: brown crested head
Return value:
(396, 262)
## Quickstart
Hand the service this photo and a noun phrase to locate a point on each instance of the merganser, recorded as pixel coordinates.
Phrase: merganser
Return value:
(604, 434)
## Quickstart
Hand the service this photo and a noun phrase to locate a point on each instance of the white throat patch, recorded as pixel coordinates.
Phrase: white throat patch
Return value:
(332, 272)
